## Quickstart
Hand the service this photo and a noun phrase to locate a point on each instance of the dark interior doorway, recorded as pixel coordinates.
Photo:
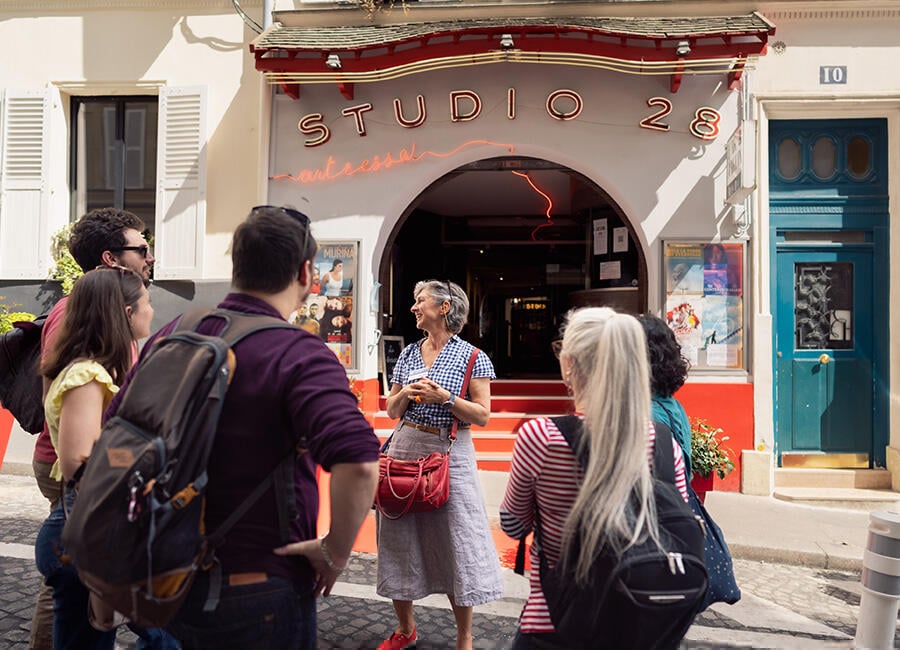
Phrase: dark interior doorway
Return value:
(486, 227)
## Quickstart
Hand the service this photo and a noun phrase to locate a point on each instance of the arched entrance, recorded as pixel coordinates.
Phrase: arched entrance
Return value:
(528, 239)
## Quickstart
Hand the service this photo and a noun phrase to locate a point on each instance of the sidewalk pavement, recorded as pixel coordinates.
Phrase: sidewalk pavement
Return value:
(766, 529)
(798, 567)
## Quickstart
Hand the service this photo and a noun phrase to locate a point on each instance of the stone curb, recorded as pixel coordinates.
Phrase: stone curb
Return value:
(814, 559)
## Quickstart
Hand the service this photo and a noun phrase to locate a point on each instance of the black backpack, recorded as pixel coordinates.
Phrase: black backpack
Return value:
(20, 377)
(647, 598)
(136, 533)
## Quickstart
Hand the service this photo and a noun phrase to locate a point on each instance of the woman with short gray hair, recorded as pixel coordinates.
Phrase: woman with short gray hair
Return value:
(449, 550)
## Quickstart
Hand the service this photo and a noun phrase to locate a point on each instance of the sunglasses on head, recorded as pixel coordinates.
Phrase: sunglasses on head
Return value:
(293, 214)
(123, 271)
(143, 250)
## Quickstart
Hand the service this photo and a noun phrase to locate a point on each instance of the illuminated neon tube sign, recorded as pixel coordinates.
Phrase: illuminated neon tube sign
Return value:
(466, 105)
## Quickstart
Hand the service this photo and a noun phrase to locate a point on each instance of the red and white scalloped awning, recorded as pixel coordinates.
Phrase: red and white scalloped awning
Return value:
(347, 55)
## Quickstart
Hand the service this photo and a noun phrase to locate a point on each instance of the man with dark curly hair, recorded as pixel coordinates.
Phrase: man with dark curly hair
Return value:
(102, 237)
(111, 237)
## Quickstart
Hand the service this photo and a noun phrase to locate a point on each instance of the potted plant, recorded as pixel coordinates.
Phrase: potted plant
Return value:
(709, 457)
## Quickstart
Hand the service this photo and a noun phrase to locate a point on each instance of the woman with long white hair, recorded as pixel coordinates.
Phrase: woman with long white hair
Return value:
(603, 361)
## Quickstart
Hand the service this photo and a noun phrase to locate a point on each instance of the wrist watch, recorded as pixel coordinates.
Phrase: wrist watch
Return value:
(450, 402)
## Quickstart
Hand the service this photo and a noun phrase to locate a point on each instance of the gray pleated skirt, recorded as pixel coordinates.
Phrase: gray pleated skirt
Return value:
(445, 551)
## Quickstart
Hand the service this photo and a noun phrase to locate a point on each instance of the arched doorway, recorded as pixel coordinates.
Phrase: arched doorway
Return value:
(528, 239)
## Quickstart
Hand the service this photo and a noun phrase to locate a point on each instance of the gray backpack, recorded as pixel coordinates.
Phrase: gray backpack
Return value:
(136, 533)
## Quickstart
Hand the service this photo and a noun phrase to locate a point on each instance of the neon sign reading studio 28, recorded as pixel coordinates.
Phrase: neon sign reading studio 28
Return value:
(465, 106)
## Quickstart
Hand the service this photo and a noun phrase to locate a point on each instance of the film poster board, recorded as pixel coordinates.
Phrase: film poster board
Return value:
(704, 289)
(330, 309)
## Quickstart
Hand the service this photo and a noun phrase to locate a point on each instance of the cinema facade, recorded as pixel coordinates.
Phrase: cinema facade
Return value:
(727, 166)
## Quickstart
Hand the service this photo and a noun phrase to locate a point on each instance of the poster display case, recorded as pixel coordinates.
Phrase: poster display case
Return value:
(330, 309)
(704, 301)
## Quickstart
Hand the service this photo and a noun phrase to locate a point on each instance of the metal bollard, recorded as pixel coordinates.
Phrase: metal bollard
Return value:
(880, 583)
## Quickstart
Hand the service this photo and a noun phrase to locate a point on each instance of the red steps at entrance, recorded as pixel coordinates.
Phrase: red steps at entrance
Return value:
(512, 403)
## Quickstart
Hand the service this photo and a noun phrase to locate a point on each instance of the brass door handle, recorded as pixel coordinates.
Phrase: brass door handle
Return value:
(824, 359)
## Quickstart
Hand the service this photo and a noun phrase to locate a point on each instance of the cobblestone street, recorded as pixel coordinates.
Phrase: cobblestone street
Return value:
(784, 606)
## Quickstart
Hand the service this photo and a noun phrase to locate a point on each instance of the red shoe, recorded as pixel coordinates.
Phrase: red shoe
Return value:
(399, 641)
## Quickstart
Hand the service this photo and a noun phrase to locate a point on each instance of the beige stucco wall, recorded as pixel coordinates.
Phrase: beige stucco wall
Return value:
(99, 48)
(863, 37)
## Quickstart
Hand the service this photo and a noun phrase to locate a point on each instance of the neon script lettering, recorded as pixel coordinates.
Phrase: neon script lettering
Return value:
(332, 169)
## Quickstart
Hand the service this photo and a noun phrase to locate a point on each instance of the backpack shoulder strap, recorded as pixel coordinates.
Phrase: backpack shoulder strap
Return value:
(571, 428)
(238, 325)
(663, 454)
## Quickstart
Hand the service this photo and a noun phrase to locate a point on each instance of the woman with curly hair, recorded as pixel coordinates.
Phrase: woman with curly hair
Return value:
(668, 372)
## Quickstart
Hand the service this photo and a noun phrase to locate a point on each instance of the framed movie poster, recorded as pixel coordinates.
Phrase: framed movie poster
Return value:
(330, 310)
(704, 301)
(391, 347)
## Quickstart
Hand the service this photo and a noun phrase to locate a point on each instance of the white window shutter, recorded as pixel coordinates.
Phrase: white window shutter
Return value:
(181, 183)
(24, 195)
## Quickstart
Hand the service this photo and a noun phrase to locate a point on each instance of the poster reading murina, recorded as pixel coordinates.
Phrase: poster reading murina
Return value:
(328, 310)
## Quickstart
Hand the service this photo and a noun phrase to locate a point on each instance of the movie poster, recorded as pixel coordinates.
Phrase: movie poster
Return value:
(704, 301)
(329, 310)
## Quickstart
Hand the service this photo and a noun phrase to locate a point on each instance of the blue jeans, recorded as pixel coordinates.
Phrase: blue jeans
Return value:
(151, 638)
(270, 615)
(71, 629)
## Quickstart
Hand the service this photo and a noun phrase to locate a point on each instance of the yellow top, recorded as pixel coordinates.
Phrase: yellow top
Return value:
(77, 373)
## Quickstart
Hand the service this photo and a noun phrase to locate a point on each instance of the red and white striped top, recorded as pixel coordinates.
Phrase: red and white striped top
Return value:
(545, 472)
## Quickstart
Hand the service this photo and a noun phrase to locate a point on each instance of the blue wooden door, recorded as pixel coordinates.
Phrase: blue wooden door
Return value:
(829, 245)
(824, 350)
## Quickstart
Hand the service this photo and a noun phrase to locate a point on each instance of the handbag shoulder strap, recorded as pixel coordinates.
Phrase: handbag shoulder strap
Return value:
(465, 387)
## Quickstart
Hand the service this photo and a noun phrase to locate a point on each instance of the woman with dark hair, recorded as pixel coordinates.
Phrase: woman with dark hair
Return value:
(333, 280)
(449, 550)
(108, 310)
(668, 372)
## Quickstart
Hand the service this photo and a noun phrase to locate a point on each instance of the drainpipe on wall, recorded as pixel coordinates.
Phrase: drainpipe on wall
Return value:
(265, 119)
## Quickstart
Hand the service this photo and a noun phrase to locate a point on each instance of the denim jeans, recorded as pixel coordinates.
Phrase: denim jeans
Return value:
(151, 638)
(71, 629)
(270, 615)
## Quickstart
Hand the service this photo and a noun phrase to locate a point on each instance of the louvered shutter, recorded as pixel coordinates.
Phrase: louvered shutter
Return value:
(24, 195)
(181, 183)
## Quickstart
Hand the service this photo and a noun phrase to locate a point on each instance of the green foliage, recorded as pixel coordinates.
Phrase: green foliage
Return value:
(65, 267)
(708, 455)
(8, 317)
(373, 6)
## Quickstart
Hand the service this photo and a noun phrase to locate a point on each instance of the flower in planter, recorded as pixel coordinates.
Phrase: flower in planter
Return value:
(708, 455)
(7, 317)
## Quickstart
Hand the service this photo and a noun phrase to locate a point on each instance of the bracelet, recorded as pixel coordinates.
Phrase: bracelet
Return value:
(327, 555)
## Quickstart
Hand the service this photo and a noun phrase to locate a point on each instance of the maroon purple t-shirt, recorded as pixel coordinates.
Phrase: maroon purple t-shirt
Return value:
(287, 385)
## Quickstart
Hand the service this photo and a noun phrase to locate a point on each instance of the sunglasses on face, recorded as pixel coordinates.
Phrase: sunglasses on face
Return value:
(143, 250)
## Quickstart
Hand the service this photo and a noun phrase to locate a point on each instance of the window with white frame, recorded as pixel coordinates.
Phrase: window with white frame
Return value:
(143, 153)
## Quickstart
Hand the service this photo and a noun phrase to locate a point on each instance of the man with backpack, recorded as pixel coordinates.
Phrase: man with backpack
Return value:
(288, 398)
(102, 237)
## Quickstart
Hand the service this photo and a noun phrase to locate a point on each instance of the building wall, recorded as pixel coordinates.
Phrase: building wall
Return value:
(109, 48)
(786, 85)
(668, 184)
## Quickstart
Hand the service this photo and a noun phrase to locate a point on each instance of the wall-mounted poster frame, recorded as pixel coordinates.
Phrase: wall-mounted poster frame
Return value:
(391, 347)
(705, 301)
(331, 308)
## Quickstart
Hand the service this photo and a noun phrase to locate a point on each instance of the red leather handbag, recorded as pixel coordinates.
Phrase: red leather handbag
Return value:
(412, 485)
(417, 485)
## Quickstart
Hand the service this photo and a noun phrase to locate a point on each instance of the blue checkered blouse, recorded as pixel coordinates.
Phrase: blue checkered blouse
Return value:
(447, 371)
